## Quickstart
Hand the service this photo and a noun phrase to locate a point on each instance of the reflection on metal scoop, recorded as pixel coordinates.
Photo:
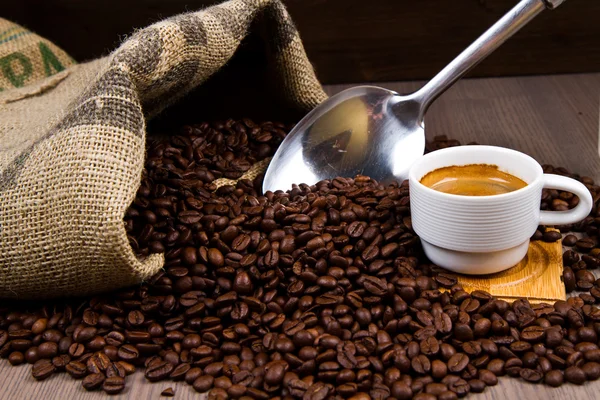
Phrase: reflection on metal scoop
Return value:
(368, 130)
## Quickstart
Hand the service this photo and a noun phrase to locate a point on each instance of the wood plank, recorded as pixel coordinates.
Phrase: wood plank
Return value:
(399, 40)
(353, 40)
(554, 118)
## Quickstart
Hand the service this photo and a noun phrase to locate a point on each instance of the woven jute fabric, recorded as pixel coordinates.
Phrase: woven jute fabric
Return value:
(26, 57)
(73, 144)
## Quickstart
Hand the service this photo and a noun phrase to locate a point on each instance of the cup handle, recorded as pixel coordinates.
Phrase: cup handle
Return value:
(578, 213)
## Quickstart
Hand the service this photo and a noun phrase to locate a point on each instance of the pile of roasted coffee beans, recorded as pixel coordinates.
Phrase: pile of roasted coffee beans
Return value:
(180, 173)
(320, 292)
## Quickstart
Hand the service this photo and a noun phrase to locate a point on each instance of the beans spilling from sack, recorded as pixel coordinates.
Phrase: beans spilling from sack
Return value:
(319, 292)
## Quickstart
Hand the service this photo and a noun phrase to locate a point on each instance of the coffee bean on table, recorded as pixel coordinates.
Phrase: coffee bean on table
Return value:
(569, 240)
(113, 385)
(575, 375)
(496, 366)
(569, 279)
(61, 361)
(93, 381)
(31, 355)
(554, 378)
(488, 377)
(76, 369)
(476, 385)
(321, 291)
(447, 395)
(128, 353)
(424, 396)
(42, 369)
(192, 374)
(16, 358)
(203, 383)
(531, 375)
(551, 236)
(585, 244)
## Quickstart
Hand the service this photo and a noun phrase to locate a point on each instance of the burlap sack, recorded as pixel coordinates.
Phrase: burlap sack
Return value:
(72, 145)
(26, 58)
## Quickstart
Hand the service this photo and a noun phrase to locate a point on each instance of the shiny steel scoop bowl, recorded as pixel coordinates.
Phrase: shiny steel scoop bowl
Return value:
(368, 130)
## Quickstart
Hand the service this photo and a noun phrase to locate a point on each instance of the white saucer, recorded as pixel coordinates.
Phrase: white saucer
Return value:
(475, 263)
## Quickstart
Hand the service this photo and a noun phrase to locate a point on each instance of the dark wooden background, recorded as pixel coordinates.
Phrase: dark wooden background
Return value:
(352, 40)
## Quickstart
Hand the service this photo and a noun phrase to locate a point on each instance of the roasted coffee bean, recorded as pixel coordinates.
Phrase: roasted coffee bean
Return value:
(113, 385)
(458, 362)
(421, 364)
(158, 371)
(128, 352)
(16, 358)
(439, 369)
(76, 369)
(192, 374)
(488, 377)
(482, 327)
(317, 391)
(60, 362)
(39, 326)
(575, 375)
(531, 375)
(135, 318)
(569, 240)
(530, 359)
(496, 366)
(42, 369)
(31, 355)
(19, 344)
(447, 395)
(585, 244)
(533, 333)
(476, 385)
(435, 388)
(446, 280)
(447, 351)
(460, 387)
(554, 378)
(591, 370)
(401, 390)
(47, 350)
(430, 346)
(551, 236)
(569, 279)
(93, 381)
(424, 396)
(180, 371)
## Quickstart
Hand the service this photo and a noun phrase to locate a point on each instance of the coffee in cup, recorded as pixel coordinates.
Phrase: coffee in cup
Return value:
(472, 180)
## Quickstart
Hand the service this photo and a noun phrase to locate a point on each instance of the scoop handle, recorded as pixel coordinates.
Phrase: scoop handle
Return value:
(487, 43)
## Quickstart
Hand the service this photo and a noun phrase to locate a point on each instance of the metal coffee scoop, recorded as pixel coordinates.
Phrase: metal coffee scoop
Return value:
(373, 131)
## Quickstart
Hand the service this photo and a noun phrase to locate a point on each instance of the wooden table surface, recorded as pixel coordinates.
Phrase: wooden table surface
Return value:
(553, 118)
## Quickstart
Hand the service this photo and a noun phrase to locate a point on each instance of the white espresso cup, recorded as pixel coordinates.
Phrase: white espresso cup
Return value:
(486, 234)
